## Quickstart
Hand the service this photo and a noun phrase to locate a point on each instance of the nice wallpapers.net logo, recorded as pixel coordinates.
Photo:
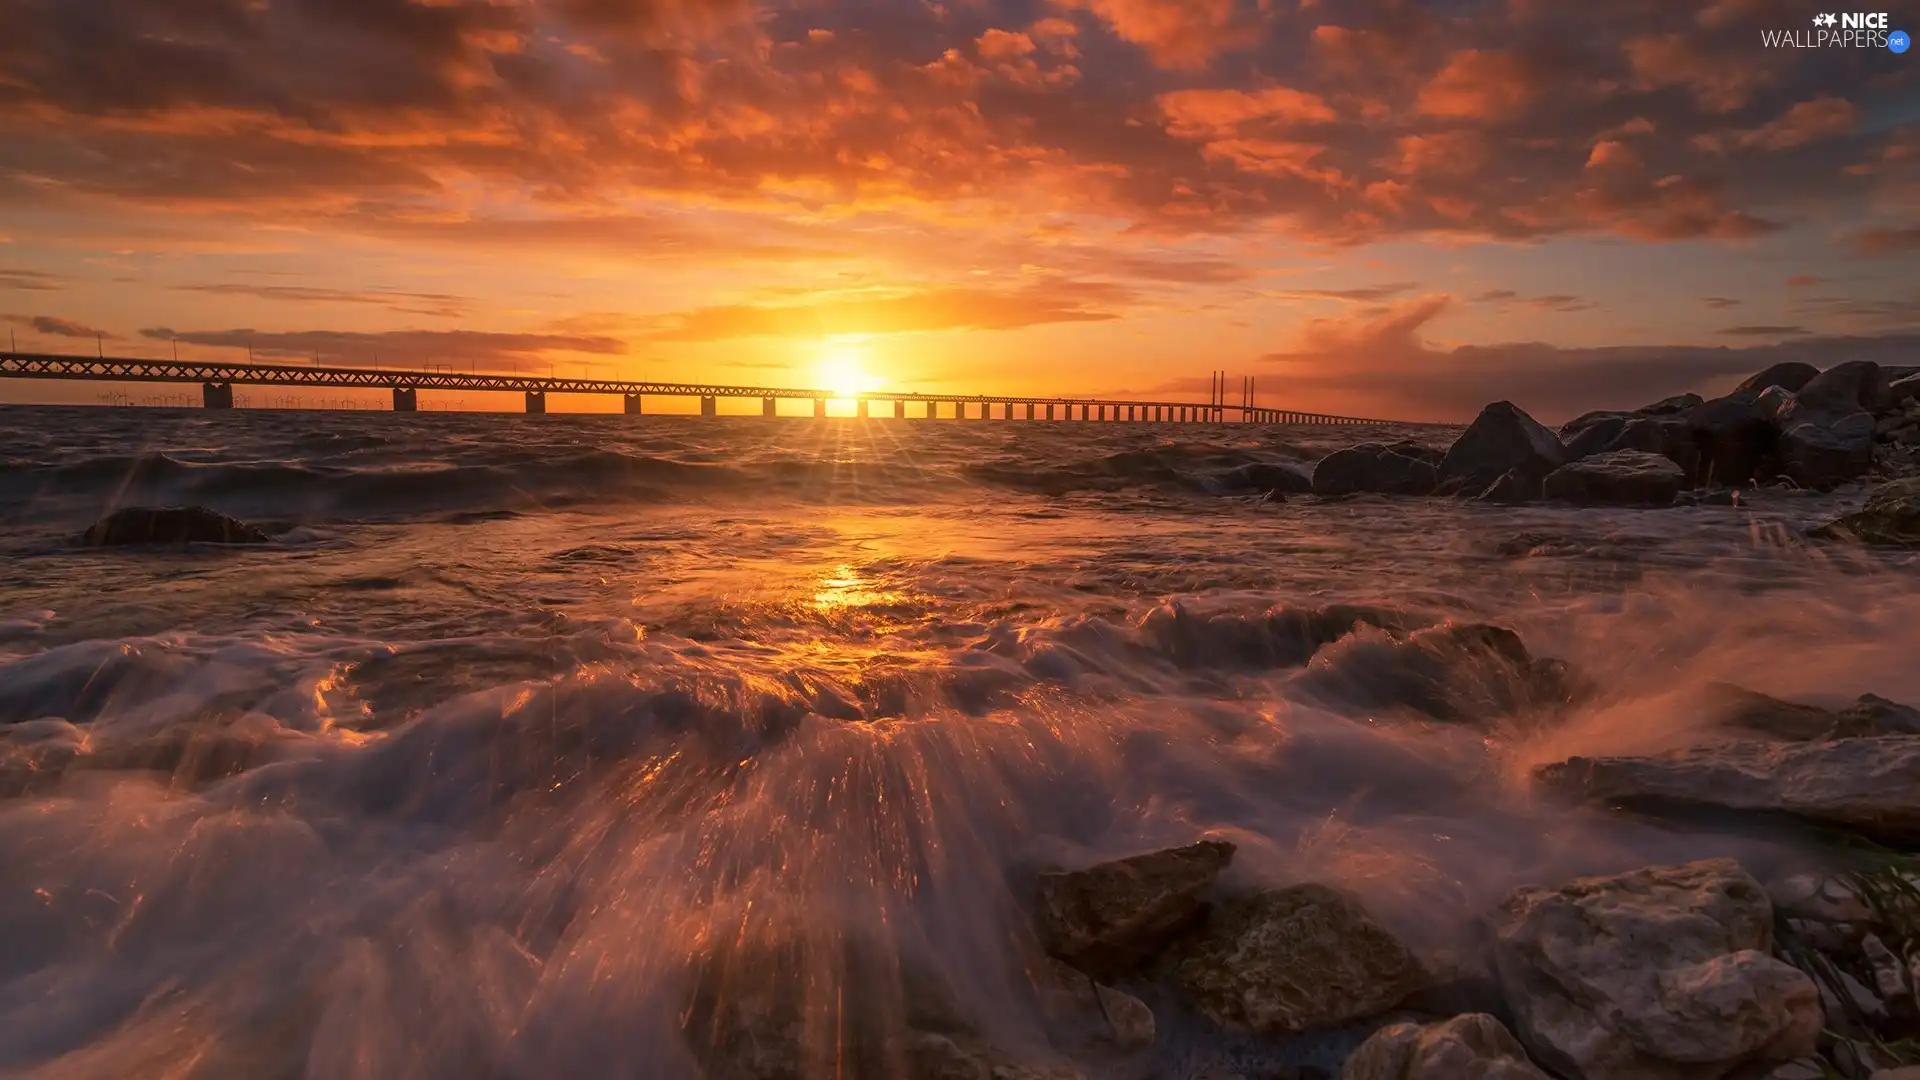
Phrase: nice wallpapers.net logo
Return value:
(1844, 30)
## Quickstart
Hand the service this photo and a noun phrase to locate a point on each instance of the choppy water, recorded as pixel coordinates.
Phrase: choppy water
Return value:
(524, 712)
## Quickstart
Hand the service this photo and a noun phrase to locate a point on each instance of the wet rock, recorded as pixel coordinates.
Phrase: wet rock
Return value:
(1375, 468)
(1294, 959)
(1820, 451)
(1672, 406)
(1855, 386)
(1872, 714)
(1789, 376)
(1658, 974)
(1905, 1072)
(1747, 710)
(1515, 487)
(1470, 1047)
(1594, 437)
(1116, 917)
(1902, 391)
(1264, 476)
(170, 525)
(1868, 785)
(1806, 1068)
(1087, 1019)
(1889, 973)
(1733, 436)
(1891, 518)
(1538, 544)
(1457, 672)
(1501, 438)
(1617, 478)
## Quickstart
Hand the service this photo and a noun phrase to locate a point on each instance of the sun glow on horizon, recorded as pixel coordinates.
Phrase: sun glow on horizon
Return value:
(842, 368)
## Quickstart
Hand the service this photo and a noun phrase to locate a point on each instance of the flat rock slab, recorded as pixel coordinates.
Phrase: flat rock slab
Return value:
(1618, 478)
(1116, 917)
(1294, 959)
(1659, 974)
(1868, 785)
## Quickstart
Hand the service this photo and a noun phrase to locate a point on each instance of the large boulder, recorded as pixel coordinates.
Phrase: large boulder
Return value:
(1855, 386)
(1456, 672)
(1500, 439)
(1617, 478)
(1474, 1046)
(1891, 518)
(1672, 406)
(1294, 959)
(1594, 438)
(1733, 436)
(1821, 451)
(1376, 468)
(1110, 919)
(170, 525)
(1659, 974)
(1086, 1019)
(1901, 391)
(1789, 376)
(1868, 785)
(1747, 710)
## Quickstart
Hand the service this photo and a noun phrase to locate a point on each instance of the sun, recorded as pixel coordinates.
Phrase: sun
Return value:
(842, 369)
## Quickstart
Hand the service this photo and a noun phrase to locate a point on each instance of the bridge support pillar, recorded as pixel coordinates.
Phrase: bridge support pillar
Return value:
(769, 407)
(1006, 410)
(709, 406)
(899, 410)
(216, 395)
(860, 409)
(630, 404)
(933, 410)
(406, 399)
(536, 402)
(819, 408)
(986, 410)
(1029, 410)
(1049, 412)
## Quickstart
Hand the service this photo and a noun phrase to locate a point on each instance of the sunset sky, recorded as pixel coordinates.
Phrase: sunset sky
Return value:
(1376, 208)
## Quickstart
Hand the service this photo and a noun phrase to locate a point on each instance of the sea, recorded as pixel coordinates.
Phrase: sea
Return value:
(520, 722)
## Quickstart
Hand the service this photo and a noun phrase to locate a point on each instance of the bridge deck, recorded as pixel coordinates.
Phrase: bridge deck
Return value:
(16, 365)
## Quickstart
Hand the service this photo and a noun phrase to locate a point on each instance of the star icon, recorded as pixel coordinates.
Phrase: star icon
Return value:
(1824, 20)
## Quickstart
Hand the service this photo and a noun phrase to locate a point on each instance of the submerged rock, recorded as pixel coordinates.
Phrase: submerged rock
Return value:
(1116, 917)
(1474, 1046)
(1087, 1019)
(1891, 518)
(170, 525)
(1748, 710)
(1293, 959)
(1617, 478)
(1502, 438)
(1659, 974)
(1868, 785)
(1268, 477)
(1375, 468)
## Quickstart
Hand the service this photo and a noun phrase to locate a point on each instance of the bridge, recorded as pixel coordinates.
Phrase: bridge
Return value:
(217, 380)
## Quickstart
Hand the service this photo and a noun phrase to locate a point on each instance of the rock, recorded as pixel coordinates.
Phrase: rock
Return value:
(1087, 1019)
(1891, 518)
(1515, 487)
(1889, 974)
(1457, 672)
(1264, 476)
(1375, 468)
(1658, 974)
(1470, 1047)
(1672, 406)
(1806, 1068)
(1855, 386)
(1902, 391)
(1789, 376)
(1501, 438)
(35, 754)
(1875, 715)
(1594, 438)
(170, 525)
(1617, 478)
(1113, 918)
(1822, 452)
(1294, 959)
(1869, 785)
(1747, 710)
(1905, 1072)
(1539, 544)
(1572, 428)
(1733, 437)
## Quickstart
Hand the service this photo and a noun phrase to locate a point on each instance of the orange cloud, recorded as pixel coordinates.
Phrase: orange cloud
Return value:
(900, 313)
(1181, 34)
(1807, 121)
(1479, 85)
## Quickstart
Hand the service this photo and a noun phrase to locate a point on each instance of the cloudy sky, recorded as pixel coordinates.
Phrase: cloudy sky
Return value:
(1376, 207)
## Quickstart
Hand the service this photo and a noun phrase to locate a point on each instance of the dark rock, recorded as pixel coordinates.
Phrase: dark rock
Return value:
(1501, 438)
(1295, 959)
(1375, 468)
(1790, 376)
(1822, 452)
(1874, 715)
(1748, 710)
(1855, 386)
(1514, 488)
(1263, 476)
(1457, 672)
(1870, 786)
(1114, 918)
(1733, 437)
(1667, 436)
(1595, 438)
(1891, 518)
(1538, 544)
(1087, 1019)
(1904, 390)
(1672, 406)
(1573, 428)
(1617, 478)
(1473, 1046)
(170, 525)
